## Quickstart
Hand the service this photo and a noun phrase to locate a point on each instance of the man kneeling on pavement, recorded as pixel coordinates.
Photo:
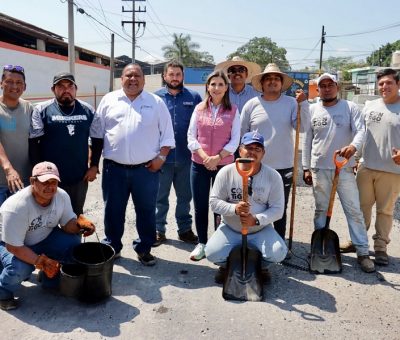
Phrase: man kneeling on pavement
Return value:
(266, 204)
(38, 229)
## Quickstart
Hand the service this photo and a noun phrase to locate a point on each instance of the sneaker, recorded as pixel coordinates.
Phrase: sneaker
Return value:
(160, 238)
(381, 258)
(198, 253)
(347, 247)
(189, 237)
(366, 264)
(9, 304)
(220, 275)
(147, 259)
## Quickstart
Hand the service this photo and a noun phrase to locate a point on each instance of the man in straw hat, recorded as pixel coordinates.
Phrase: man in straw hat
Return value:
(274, 115)
(240, 72)
(38, 229)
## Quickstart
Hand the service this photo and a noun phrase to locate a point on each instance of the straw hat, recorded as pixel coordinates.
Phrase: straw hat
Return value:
(252, 68)
(271, 68)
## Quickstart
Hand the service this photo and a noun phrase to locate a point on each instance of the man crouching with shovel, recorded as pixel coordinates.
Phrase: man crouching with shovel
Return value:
(264, 206)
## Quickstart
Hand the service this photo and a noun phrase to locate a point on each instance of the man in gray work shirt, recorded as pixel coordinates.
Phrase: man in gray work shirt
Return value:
(336, 126)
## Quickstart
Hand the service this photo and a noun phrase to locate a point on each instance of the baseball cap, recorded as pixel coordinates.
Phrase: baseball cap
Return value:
(63, 76)
(252, 137)
(326, 76)
(44, 171)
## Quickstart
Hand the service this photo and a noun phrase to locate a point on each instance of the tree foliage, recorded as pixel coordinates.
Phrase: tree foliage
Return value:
(342, 64)
(262, 51)
(186, 51)
(383, 56)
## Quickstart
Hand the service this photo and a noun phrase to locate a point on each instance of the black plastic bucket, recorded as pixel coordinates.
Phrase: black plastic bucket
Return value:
(98, 260)
(72, 279)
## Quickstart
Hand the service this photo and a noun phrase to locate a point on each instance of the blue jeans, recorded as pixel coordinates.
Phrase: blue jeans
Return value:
(177, 174)
(118, 183)
(201, 180)
(58, 246)
(4, 194)
(267, 241)
(349, 198)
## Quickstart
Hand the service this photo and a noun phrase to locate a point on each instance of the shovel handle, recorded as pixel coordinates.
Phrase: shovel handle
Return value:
(245, 180)
(339, 164)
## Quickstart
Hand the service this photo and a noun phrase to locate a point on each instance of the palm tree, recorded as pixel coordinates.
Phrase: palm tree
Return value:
(185, 51)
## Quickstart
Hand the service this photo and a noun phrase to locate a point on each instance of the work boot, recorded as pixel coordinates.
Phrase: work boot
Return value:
(347, 247)
(146, 259)
(9, 304)
(265, 276)
(189, 237)
(160, 238)
(381, 258)
(220, 275)
(366, 264)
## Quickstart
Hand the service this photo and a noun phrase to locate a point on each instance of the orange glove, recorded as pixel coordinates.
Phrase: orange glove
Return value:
(50, 267)
(86, 225)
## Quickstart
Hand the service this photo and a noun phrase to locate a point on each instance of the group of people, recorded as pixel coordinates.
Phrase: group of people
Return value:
(150, 142)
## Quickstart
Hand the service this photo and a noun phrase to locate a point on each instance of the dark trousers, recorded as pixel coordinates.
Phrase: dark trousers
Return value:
(287, 178)
(77, 193)
(201, 180)
(118, 184)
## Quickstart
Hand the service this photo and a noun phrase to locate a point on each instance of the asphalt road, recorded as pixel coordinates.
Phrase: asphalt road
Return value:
(178, 299)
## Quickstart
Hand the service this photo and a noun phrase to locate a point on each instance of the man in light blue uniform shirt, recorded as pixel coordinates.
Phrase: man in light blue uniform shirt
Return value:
(181, 102)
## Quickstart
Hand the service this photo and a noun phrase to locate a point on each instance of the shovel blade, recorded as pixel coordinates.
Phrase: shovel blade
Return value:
(247, 285)
(325, 252)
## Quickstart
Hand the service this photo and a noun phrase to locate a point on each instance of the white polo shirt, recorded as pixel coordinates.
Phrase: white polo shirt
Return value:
(133, 130)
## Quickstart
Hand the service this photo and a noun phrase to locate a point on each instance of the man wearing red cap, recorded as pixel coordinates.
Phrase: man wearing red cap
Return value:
(38, 230)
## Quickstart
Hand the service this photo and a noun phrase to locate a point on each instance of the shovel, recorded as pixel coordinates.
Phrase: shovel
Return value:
(243, 280)
(325, 252)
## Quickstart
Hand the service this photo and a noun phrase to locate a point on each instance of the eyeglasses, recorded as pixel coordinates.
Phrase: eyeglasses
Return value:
(239, 69)
(11, 68)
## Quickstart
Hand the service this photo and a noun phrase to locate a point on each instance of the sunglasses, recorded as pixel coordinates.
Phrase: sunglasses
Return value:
(15, 68)
(240, 69)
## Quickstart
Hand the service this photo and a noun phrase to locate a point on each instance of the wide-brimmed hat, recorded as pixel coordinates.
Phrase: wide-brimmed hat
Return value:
(271, 68)
(252, 68)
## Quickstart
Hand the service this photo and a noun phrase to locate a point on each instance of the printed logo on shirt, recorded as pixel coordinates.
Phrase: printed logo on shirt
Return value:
(71, 129)
(375, 117)
(60, 118)
(320, 121)
(236, 194)
(36, 223)
(8, 124)
(188, 103)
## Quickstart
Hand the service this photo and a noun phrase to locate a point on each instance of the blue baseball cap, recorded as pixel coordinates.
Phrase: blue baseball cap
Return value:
(252, 137)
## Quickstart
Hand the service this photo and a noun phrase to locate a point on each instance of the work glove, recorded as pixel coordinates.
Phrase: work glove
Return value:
(47, 265)
(86, 225)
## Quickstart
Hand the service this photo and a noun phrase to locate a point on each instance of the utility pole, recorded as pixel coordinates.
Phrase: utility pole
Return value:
(71, 42)
(134, 22)
(112, 64)
(322, 48)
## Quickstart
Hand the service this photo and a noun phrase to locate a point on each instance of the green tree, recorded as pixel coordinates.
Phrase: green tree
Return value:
(383, 56)
(186, 51)
(262, 51)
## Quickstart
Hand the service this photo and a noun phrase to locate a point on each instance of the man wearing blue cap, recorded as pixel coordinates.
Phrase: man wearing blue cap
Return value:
(266, 205)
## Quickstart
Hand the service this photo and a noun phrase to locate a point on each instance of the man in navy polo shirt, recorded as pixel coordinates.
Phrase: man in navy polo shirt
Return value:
(59, 133)
(176, 170)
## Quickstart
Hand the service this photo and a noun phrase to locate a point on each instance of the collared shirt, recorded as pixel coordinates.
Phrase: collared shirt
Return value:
(181, 107)
(242, 97)
(133, 130)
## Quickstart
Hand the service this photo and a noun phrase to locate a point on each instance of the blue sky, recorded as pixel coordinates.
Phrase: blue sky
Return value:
(221, 26)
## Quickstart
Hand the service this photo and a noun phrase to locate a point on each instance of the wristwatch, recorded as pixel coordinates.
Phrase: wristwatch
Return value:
(163, 158)
(257, 221)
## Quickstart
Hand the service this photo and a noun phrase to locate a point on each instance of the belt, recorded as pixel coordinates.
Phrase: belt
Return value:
(126, 166)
